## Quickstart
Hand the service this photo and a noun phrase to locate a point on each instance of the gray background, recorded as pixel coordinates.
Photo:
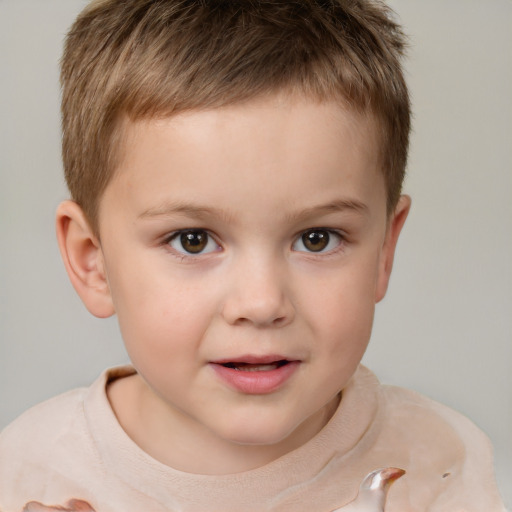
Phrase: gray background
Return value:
(445, 328)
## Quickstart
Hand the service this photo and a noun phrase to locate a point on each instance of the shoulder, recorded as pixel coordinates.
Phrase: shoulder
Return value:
(42, 424)
(32, 444)
(48, 424)
(45, 448)
(449, 459)
(432, 422)
(51, 452)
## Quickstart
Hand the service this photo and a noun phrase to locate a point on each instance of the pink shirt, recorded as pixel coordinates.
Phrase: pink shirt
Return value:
(72, 447)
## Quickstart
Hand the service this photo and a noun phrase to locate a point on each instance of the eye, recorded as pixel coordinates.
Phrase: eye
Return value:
(317, 240)
(193, 241)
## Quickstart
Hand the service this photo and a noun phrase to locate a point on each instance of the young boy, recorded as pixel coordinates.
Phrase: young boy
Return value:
(236, 173)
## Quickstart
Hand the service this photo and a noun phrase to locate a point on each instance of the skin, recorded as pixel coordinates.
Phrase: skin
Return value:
(253, 178)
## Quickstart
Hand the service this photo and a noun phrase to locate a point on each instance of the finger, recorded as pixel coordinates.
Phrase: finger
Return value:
(78, 506)
(35, 506)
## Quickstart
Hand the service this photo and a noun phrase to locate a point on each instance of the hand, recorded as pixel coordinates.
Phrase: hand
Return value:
(70, 506)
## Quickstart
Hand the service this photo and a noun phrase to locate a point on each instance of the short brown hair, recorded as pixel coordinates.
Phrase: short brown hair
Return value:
(139, 59)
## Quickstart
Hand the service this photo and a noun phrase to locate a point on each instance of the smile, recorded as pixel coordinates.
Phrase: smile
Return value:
(255, 375)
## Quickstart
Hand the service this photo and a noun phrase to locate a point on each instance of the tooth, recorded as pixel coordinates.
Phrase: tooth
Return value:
(258, 368)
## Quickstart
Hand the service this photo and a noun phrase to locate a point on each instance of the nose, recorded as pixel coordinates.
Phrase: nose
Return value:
(258, 296)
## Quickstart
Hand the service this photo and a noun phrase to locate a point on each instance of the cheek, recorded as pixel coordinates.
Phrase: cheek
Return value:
(154, 313)
(341, 307)
(344, 291)
(346, 333)
(163, 317)
(348, 330)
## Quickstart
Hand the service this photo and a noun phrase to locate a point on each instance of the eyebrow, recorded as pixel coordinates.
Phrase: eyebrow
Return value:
(339, 205)
(187, 209)
(204, 212)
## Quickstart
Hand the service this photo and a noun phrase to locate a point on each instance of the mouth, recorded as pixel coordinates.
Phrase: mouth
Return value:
(254, 367)
(255, 375)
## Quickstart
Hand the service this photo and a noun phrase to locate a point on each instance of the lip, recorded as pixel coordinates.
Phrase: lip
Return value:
(256, 382)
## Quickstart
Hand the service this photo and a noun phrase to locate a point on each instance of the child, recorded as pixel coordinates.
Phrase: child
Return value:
(236, 172)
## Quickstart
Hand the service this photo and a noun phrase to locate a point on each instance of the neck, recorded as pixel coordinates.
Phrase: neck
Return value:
(178, 441)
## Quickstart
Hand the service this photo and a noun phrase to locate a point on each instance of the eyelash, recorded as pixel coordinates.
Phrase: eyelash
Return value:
(340, 244)
(299, 239)
(190, 254)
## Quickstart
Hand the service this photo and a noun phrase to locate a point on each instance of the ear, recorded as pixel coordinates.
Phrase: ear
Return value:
(83, 258)
(395, 225)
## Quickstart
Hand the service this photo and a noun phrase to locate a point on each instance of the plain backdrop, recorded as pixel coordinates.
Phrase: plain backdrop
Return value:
(445, 328)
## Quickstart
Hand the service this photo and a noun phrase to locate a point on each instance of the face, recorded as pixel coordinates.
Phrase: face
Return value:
(245, 249)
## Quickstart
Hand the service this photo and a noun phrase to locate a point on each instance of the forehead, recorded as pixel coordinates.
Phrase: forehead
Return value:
(299, 117)
(274, 144)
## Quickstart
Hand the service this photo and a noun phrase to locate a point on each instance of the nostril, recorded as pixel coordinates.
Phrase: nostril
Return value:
(265, 307)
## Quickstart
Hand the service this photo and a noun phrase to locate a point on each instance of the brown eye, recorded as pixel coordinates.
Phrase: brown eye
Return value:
(193, 241)
(315, 240)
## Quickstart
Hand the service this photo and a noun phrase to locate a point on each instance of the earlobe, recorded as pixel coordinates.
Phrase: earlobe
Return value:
(83, 258)
(395, 226)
